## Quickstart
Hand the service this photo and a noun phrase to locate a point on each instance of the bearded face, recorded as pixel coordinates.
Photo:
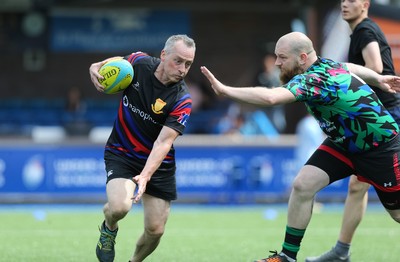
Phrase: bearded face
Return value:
(287, 73)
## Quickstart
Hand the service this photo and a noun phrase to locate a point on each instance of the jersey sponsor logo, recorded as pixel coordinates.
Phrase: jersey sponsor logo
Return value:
(339, 139)
(327, 125)
(158, 106)
(109, 173)
(135, 110)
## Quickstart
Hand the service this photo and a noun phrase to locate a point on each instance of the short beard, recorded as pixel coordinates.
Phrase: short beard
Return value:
(285, 77)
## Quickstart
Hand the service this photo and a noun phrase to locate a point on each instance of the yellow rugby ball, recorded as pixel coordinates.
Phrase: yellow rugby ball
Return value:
(118, 75)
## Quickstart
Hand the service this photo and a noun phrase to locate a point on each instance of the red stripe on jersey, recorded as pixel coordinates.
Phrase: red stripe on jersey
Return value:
(138, 147)
(182, 108)
(179, 113)
(118, 148)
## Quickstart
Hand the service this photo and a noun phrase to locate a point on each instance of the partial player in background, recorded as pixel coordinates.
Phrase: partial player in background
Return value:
(139, 153)
(368, 47)
(362, 137)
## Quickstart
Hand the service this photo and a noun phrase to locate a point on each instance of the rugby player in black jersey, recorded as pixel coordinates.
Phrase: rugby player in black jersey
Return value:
(139, 154)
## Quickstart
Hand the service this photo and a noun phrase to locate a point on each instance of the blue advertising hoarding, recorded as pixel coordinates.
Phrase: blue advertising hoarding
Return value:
(221, 174)
(48, 169)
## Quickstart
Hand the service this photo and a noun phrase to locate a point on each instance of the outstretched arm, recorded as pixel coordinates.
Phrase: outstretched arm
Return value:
(254, 95)
(160, 149)
(388, 83)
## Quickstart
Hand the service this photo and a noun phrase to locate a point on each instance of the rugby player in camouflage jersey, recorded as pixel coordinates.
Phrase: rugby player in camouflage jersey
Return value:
(362, 136)
(370, 48)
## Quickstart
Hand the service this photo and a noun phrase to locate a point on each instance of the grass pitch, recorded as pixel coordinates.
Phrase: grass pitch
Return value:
(194, 233)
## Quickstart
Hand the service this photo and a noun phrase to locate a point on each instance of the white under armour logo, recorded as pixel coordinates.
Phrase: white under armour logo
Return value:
(388, 184)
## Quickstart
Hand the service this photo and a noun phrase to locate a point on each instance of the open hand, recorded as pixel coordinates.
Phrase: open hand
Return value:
(390, 83)
(215, 84)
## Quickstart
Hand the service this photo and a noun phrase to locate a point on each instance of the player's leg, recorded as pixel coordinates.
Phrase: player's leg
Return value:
(156, 212)
(370, 165)
(327, 165)
(395, 214)
(355, 206)
(119, 202)
(307, 183)
(380, 168)
(391, 201)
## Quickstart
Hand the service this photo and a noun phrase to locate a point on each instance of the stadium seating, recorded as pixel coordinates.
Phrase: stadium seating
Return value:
(19, 117)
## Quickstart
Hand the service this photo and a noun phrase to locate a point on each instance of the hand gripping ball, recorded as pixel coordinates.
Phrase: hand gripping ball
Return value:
(118, 74)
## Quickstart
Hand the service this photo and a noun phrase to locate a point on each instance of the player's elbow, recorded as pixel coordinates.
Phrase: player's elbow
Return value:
(277, 100)
(268, 101)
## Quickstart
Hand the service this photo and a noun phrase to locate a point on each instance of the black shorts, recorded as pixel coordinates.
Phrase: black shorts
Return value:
(379, 167)
(162, 184)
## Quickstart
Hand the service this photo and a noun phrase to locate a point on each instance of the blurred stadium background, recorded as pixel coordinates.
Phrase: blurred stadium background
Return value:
(53, 123)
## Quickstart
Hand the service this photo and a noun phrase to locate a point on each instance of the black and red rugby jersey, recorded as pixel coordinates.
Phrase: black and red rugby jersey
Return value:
(146, 106)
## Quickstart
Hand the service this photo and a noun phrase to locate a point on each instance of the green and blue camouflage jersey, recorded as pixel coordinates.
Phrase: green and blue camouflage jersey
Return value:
(346, 108)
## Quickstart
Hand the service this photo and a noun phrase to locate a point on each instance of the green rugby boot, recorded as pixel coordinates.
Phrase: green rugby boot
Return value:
(105, 247)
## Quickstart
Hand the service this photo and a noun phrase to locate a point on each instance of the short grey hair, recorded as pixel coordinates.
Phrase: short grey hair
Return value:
(169, 44)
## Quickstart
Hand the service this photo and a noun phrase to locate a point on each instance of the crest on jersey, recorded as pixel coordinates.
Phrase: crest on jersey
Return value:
(158, 106)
